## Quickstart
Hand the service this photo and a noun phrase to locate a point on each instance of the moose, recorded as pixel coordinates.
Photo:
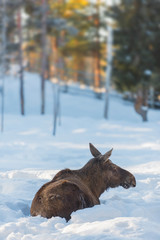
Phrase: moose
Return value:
(71, 190)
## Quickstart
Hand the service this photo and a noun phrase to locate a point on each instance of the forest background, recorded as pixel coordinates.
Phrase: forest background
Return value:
(79, 40)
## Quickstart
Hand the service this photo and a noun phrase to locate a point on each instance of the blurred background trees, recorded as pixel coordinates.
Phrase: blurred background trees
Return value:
(73, 48)
(65, 40)
(136, 63)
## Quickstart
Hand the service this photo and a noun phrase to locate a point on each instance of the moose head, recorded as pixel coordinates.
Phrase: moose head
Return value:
(71, 190)
(109, 174)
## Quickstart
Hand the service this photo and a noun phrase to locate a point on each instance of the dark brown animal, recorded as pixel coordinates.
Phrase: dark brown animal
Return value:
(71, 190)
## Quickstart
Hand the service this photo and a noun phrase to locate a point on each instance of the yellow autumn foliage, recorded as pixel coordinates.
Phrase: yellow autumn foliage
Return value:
(68, 7)
(78, 3)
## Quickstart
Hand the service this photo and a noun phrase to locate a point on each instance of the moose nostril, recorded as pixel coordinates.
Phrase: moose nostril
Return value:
(134, 183)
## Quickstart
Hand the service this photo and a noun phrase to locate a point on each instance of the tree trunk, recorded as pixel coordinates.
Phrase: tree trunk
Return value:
(141, 105)
(96, 69)
(3, 57)
(108, 70)
(21, 71)
(43, 67)
(97, 72)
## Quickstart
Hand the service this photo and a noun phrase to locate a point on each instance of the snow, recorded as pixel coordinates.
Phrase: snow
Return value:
(30, 156)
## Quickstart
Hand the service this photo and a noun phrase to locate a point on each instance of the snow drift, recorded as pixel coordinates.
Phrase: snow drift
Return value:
(30, 156)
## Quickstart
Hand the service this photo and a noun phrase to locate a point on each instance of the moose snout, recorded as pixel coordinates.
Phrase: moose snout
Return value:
(131, 181)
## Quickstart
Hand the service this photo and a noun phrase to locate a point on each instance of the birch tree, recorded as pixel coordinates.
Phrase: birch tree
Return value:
(3, 58)
(21, 69)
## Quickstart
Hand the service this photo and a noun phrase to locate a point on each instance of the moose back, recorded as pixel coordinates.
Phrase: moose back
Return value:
(71, 190)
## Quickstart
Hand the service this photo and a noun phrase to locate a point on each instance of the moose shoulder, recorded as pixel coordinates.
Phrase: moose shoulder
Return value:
(71, 190)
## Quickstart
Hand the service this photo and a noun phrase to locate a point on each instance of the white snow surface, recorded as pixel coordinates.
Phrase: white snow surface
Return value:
(30, 156)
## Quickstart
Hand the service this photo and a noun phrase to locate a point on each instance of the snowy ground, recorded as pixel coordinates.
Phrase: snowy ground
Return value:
(30, 156)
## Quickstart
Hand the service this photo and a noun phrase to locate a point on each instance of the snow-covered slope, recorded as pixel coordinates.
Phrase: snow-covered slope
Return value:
(31, 156)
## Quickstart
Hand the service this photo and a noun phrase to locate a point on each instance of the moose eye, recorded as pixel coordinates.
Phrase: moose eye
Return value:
(39, 198)
(114, 170)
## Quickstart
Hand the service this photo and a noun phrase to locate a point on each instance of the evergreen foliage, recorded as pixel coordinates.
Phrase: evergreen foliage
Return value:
(72, 34)
(73, 40)
(136, 60)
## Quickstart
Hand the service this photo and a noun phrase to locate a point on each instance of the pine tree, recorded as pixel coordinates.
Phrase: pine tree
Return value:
(88, 41)
(13, 48)
(135, 37)
(73, 37)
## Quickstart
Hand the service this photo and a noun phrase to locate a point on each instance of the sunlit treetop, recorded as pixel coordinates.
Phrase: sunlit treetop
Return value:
(78, 3)
(66, 8)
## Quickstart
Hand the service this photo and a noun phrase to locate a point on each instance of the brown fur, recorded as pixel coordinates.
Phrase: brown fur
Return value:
(71, 190)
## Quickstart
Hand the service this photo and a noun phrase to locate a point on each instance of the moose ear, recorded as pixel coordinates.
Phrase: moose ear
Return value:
(94, 150)
(107, 154)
